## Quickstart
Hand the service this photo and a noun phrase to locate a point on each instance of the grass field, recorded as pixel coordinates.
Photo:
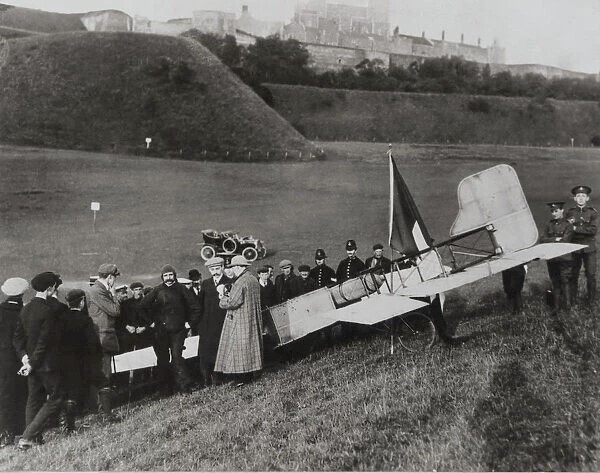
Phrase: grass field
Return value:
(520, 394)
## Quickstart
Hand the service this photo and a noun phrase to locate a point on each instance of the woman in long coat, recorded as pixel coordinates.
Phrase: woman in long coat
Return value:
(241, 347)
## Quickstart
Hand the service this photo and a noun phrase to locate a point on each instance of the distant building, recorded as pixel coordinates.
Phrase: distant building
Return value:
(246, 22)
(142, 24)
(107, 20)
(212, 21)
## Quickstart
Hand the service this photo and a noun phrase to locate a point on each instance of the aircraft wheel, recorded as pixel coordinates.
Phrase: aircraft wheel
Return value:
(250, 253)
(415, 332)
(229, 245)
(207, 252)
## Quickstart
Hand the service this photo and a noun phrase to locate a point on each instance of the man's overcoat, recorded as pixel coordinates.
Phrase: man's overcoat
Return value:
(241, 347)
(104, 311)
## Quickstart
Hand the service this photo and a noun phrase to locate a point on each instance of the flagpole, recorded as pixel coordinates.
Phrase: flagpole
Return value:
(389, 153)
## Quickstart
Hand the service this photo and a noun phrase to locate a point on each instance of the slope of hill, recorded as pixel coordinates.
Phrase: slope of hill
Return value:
(338, 115)
(109, 91)
(38, 20)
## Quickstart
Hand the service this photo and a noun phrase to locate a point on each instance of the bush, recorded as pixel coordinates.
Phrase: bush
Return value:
(478, 105)
(595, 141)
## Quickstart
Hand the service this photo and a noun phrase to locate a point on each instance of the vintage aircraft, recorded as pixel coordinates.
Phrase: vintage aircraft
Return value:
(494, 231)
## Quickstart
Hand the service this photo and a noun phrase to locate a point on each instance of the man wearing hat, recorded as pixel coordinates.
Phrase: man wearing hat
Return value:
(559, 229)
(378, 260)
(211, 318)
(583, 218)
(241, 346)
(287, 284)
(351, 266)
(308, 283)
(81, 361)
(196, 278)
(13, 388)
(104, 309)
(136, 322)
(323, 275)
(173, 308)
(37, 343)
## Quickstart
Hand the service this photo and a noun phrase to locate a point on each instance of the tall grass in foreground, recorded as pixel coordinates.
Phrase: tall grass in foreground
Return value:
(521, 393)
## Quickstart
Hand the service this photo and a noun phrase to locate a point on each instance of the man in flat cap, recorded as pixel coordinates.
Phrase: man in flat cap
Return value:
(104, 309)
(210, 319)
(241, 346)
(13, 388)
(37, 343)
(174, 309)
(559, 229)
(81, 361)
(287, 284)
(584, 220)
(378, 260)
(323, 275)
(351, 266)
(135, 321)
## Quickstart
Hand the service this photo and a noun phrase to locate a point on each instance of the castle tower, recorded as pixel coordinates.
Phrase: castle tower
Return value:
(379, 14)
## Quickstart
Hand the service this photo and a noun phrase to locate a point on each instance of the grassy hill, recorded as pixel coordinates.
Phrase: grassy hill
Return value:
(38, 21)
(109, 91)
(338, 115)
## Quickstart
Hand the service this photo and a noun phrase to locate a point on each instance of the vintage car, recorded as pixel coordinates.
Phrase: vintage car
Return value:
(231, 243)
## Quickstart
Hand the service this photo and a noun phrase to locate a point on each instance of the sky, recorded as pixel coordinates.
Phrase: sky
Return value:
(562, 33)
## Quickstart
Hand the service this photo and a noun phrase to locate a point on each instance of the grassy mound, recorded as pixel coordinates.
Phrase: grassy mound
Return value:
(38, 21)
(338, 115)
(109, 91)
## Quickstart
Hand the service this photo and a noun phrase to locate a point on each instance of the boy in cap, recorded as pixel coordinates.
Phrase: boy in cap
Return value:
(13, 388)
(559, 229)
(174, 309)
(351, 266)
(323, 275)
(378, 260)
(37, 342)
(287, 284)
(584, 220)
(104, 309)
(211, 318)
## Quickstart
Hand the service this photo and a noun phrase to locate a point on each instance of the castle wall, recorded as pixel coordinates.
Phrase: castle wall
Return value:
(107, 21)
(144, 25)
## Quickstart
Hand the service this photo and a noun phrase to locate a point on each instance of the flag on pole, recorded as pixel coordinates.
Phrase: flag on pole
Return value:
(408, 233)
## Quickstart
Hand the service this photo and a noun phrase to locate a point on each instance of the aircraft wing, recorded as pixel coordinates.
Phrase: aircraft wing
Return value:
(376, 308)
(146, 358)
(487, 268)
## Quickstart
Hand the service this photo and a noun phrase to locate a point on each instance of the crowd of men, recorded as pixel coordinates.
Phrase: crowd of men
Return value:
(55, 357)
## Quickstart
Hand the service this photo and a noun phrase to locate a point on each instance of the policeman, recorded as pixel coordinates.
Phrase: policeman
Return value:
(583, 218)
(351, 266)
(322, 274)
(559, 269)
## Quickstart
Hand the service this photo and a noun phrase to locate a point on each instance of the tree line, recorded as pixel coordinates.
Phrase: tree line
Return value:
(274, 60)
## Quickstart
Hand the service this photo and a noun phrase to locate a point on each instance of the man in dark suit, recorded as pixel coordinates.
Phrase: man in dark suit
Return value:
(196, 278)
(211, 317)
(287, 284)
(37, 343)
(351, 266)
(308, 283)
(378, 260)
(174, 308)
(13, 388)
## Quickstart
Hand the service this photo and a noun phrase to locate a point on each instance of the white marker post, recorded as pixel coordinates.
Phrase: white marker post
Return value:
(95, 208)
(572, 142)
(148, 141)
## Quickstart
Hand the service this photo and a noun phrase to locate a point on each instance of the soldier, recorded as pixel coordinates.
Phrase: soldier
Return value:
(105, 309)
(351, 266)
(308, 283)
(583, 218)
(322, 274)
(378, 260)
(37, 341)
(211, 317)
(559, 269)
(13, 388)
(173, 308)
(287, 284)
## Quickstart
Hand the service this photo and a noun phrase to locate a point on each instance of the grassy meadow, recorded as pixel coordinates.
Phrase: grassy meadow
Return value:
(521, 392)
